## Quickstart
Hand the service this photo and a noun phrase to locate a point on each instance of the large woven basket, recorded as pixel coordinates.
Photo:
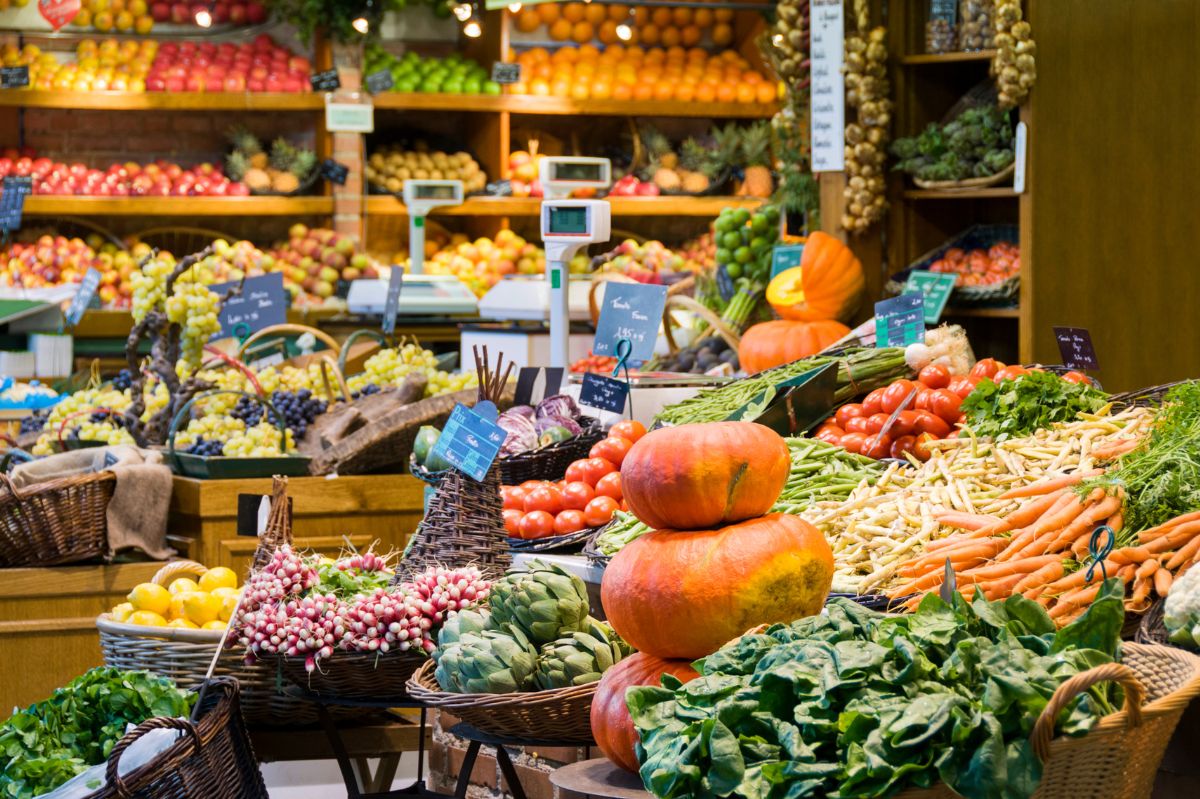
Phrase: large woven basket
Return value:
(367, 676)
(1119, 758)
(55, 522)
(463, 525)
(213, 758)
(561, 714)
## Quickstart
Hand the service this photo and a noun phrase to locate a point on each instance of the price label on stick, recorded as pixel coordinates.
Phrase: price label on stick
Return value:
(380, 81)
(1075, 347)
(630, 311)
(469, 442)
(604, 393)
(263, 302)
(785, 256)
(83, 296)
(900, 321)
(935, 287)
(391, 306)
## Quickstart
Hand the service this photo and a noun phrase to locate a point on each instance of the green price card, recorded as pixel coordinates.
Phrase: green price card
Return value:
(936, 287)
(785, 256)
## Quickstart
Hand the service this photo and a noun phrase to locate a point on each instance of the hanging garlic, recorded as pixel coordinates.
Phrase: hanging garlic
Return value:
(867, 91)
(1013, 65)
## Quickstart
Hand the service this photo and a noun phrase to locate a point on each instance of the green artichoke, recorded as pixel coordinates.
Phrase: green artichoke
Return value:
(545, 603)
(488, 662)
(462, 622)
(580, 658)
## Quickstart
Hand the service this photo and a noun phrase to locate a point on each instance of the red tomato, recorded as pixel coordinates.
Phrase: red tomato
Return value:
(538, 524)
(612, 449)
(935, 376)
(514, 497)
(547, 498)
(876, 422)
(986, 368)
(961, 386)
(858, 424)
(930, 423)
(921, 446)
(1077, 377)
(897, 395)
(575, 471)
(828, 424)
(600, 511)
(873, 403)
(945, 403)
(921, 403)
(594, 469)
(577, 495)
(630, 429)
(569, 521)
(512, 521)
(831, 435)
(847, 412)
(529, 485)
(853, 442)
(610, 486)
(906, 423)
(877, 447)
(902, 446)
(1010, 373)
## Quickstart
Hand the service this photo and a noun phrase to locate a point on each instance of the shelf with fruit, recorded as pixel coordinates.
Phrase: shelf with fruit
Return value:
(530, 206)
(162, 17)
(282, 169)
(390, 166)
(481, 263)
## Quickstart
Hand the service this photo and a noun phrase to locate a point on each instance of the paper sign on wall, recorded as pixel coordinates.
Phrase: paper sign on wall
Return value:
(349, 116)
(630, 311)
(827, 118)
(469, 442)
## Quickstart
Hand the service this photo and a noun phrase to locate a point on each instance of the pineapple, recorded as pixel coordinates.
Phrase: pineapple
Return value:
(282, 155)
(756, 146)
(659, 148)
(304, 163)
(236, 165)
(244, 141)
(727, 149)
(257, 179)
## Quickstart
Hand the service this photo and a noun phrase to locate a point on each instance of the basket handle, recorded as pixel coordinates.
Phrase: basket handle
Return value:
(320, 335)
(266, 403)
(62, 427)
(112, 773)
(351, 339)
(328, 364)
(686, 303)
(1135, 695)
(236, 364)
(175, 568)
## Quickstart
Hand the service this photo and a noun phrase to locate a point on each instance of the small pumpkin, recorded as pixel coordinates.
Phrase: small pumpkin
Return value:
(828, 283)
(684, 594)
(704, 475)
(769, 344)
(611, 725)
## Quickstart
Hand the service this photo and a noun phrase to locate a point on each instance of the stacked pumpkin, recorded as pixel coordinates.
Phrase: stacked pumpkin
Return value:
(813, 300)
(716, 565)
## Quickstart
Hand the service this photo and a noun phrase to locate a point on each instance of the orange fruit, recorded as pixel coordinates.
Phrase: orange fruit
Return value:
(580, 91)
(585, 69)
(560, 30)
(643, 91)
(565, 55)
(648, 34)
(690, 35)
(766, 92)
(560, 88)
(726, 92)
(676, 54)
(641, 16)
(635, 53)
(601, 90)
(543, 71)
(539, 87)
(661, 16)
(751, 77)
(671, 37)
(685, 92)
(622, 91)
(703, 17)
(626, 78)
(746, 93)
(706, 93)
(697, 55)
(723, 14)
(538, 53)
(681, 16)
(664, 90)
(595, 13)
(589, 52)
(548, 12)
(722, 34)
(655, 55)
(608, 32)
(528, 20)
(574, 12)
(618, 12)
(614, 53)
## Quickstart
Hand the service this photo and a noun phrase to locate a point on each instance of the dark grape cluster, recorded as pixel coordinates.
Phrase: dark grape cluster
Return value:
(248, 410)
(123, 380)
(34, 422)
(104, 416)
(299, 409)
(367, 390)
(203, 446)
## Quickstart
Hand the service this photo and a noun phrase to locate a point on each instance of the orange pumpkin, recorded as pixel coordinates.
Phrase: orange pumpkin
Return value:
(704, 475)
(828, 283)
(678, 594)
(611, 725)
(770, 344)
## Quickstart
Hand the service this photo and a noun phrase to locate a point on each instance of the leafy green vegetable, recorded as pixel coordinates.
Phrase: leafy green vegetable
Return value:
(1019, 407)
(977, 144)
(50, 742)
(853, 703)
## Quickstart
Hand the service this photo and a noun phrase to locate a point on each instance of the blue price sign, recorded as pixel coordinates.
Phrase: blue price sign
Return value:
(785, 256)
(604, 393)
(469, 442)
(83, 296)
(935, 287)
(631, 311)
(900, 321)
(391, 306)
(263, 302)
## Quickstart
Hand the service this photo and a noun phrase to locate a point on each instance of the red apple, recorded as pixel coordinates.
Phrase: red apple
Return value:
(238, 190)
(256, 13)
(201, 61)
(256, 85)
(180, 13)
(235, 82)
(214, 83)
(293, 84)
(263, 41)
(120, 190)
(160, 12)
(298, 64)
(220, 13)
(258, 73)
(274, 83)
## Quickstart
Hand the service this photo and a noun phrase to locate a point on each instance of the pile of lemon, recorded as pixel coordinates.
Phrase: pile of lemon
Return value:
(204, 604)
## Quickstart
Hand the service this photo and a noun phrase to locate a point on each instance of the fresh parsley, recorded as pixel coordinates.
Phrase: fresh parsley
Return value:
(1015, 408)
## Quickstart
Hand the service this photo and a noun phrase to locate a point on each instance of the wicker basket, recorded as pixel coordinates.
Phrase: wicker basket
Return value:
(1119, 758)
(55, 522)
(1151, 629)
(463, 525)
(974, 237)
(368, 676)
(550, 463)
(213, 758)
(562, 714)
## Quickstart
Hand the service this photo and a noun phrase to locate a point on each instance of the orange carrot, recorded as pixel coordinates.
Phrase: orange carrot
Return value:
(1117, 521)
(966, 521)
(1130, 555)
(931, 580)
(1060, 515)
(1046, 574)
(1146, 570)
(1141, 590)
(1036, 489)
(1115, 449)
(1031, 511)
(1086, 520)
(968, 548)
(1185, 553)
(1007, 568)
(1080, 577)
(1162, 582)
(1073, 599)
(1165, 527)
(999, 589)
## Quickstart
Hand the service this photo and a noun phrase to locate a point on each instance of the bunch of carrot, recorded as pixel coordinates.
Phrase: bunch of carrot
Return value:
(1041, 550)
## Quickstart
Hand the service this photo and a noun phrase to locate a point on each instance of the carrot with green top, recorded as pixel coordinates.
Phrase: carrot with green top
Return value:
(1184, 554)
(1053, 570)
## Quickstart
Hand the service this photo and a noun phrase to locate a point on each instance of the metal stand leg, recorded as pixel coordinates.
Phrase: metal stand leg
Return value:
(510, 773)
(464, 775)
(339, 752)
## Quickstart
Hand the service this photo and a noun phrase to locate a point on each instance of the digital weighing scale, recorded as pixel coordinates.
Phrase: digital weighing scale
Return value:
(563, 174)
(422, 295)
(567, 227)
(421, 197)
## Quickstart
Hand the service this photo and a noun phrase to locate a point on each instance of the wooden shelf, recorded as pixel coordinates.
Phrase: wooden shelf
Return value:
(50, 205)
(110, 323)
(991, 193)
(530, 104)
(946, 58)
(162, 101)
(530, 206)
(983, 313)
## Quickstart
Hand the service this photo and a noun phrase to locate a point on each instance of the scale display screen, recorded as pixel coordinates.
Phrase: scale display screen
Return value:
(427, 192)
(568, 220)
(570, 171)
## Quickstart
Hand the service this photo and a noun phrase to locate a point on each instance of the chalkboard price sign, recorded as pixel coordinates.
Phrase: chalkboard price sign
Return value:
(14, 77)
(900, 321)
(1076, 348)
(83, 297)
(326, 81)
(380, 81)
(504, 72)
(604, 393)
(334, 172)
(13, 192)
(263, 302)
(469, 442)
(630, 311)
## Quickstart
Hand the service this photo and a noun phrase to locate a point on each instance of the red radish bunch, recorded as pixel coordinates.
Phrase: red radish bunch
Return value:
(286, 574)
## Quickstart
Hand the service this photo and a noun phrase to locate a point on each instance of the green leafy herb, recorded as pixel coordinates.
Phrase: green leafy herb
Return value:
(853, 703)
(50, 742)
(1020, 407)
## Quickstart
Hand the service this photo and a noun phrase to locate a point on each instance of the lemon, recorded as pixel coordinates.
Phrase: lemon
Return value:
(220, 577)
(175, 610)
(229, 600)
(183, 624)
(181, 585)
(121, 612)
(151, 597)
(200, 608)
(146, 618)
(214, 625)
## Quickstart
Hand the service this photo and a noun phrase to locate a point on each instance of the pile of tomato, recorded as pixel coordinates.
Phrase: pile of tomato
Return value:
(587, 496)
(980, 267)
(597, 364)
